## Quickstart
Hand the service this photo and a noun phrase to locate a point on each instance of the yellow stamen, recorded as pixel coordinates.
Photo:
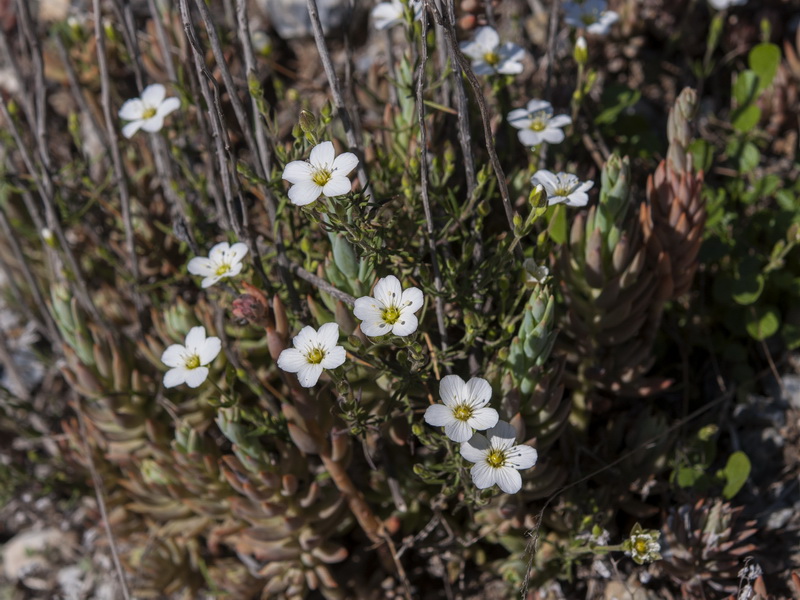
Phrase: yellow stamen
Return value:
(390, 315)
(640, 546)
(315, 356)
(149, 113)
(193, 362)
(321, 177)
(463, 412)
(222, 269)
(496, 458)
(538, 124)
(491, 58)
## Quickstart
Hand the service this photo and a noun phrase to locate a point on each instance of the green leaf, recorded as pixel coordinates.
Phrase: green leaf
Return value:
(689, 476)
(746, 118)
(558, 225)
(745, 88)
(735, 473)
(749, 158)
(763, 322)
(764, 60)
(615, 99)
(702, 154)
(344, 257)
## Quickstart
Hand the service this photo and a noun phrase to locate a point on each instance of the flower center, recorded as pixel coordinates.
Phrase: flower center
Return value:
(321, 177)
(589, 18)
(315, 356)
(222, 269)
(193, 361)
(496, 458)
(462, 412)
(149, 113)
(491, 58)
(538, 124)
(390, 315)
(640, 546)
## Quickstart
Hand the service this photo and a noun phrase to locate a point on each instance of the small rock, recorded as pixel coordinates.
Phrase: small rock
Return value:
(778, 519)
(791, 390)
(31, 551)
(290, 17)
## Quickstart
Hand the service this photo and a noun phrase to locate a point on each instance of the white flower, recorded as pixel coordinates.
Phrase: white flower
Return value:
(463, 409)
(147, 112)
(497, 459)
(723, 4)
(188, 362)
(323, 173)
(389, 14)
(313, 351)
(563, 187)
(391, 309)
(223, 261)
(537, 124)
(591, 15)
(535, 273)
(489, 57)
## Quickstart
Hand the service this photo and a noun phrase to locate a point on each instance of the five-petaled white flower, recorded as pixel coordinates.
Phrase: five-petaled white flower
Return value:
(497, 460)
(188, 363)
(390, 310)
(463, 409)
(563, 187)
(489, 56)
(591, 15)
(223, 260)
(723, 4)
(323, 173)
(389, 14)
(147, 112)
(314, 350)
(537, 124)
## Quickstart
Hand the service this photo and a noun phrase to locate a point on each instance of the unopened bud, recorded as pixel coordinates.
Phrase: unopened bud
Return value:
(248, 307)
(581, 52)
(48, 237)
(308, 122)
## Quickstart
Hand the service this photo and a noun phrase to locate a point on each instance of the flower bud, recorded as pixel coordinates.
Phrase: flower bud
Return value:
(581, 52)
(308, 122)
(48, 237)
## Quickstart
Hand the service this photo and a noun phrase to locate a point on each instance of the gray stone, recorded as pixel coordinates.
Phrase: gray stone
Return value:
(290, 17)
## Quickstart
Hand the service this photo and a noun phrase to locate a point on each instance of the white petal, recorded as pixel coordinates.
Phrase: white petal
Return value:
(131, 110)
(482, 68)
(200, 265)
(308, 375)
(173, 355)
(237, 252)
(297, 171)
(529, 137)
(405, 325)
(553, 135)
(328, 336)
(502, 436)
(304, 192)
(451, 390)
(411, 300)
(484, 418)
(471, 50)
(511, 52)
(334, 357)
(483, 476)
(476, 448)
(338, 185)
(458, 430)
(536, 104)
(560, 121)
(195, 377)
(388, 291)
(131, 128)
(510, 68)
(210, 280)
(344, 163)
(375, 327)
(545, 178)
(522, 457)
(291, 360)
(322, 155)
(153, 95)
(175, 377)
(217, 253)
(478, 392)
(235, 269)
(306, 340)
(209, 350)
(195, 339)
(366, 308)
(386, 14)
(153, 124)
(577, 199)
(508, 480)
(168, 106)
(438, 415)
(585, 186)
(486, 38)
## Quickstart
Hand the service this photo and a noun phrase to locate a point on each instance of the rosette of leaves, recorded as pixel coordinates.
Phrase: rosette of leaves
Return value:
(704, 546)
(674, 215)
(610, 294)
